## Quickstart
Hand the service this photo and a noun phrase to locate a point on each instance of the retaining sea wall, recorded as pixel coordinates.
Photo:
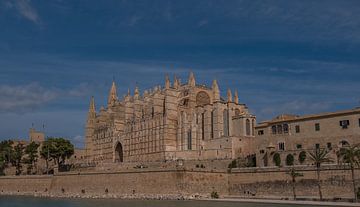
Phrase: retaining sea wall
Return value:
(256, 183)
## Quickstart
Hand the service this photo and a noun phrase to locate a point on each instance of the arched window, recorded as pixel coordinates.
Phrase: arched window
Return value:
(226, 122)
(202, 98)
(189, 139)
(247, 127)
(286, 128)
(279, 129)
(273, 129)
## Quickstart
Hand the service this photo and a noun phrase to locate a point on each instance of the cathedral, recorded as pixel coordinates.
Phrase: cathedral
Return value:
(177, 121)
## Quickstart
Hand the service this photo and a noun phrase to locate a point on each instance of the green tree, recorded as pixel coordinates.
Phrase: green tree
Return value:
(294, 174)
(31, 151)
(17, 157)
(233, 164)
(351, 156)
(277, 159)
(302, 157)
(7, 151)
(58, 149)
(2, 164)
(319, 156)
(289, 160)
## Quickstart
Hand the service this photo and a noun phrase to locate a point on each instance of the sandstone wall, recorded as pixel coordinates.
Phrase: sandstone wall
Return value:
(242, 183)
(118, 183)
(336, 183)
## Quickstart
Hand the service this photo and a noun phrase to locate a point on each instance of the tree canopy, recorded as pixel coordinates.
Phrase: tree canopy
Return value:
(58, 149)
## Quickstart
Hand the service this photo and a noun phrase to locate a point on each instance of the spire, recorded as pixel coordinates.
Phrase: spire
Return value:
(167, 82)
(92, 110)
(112, 95)
(92, 105)
(236, 97)
(127, 96)
(176, 82)
(216, 90)
(136, 93)
(229, 95)
(191, 81)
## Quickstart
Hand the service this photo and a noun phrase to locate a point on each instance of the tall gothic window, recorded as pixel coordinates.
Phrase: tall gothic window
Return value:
(189, 139)
(212, 124)
(164, 107)
(253, 127)
(226, 122)
(203, 126)
(247, 127)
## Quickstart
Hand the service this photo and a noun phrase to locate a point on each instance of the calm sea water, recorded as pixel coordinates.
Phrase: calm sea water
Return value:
(22, 201)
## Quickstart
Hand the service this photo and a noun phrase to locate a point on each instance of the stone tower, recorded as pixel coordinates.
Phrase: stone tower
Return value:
(90, 127)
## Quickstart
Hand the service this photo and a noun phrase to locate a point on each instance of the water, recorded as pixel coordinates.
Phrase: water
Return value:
(23, 201)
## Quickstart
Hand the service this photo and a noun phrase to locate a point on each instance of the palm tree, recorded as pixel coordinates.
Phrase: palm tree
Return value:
(351, 155)
(294, 174)
(319, 156)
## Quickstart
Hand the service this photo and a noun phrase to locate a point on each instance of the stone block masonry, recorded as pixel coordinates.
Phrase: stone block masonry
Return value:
(254, 183)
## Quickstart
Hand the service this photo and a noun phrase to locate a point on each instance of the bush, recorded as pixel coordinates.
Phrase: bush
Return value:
(277, 159)
(358, 193)
(302, 157)
(251, 161)
(289, 160)
(233, 164)
(214, 194)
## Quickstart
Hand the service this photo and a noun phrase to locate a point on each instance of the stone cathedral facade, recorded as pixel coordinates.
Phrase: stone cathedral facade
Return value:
(186, 121)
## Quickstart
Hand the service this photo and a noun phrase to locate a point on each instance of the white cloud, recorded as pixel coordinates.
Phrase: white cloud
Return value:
(27, 11)
(25, 97)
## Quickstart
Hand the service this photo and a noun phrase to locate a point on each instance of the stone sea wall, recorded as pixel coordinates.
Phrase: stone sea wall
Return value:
(275, 182)
(174, 184)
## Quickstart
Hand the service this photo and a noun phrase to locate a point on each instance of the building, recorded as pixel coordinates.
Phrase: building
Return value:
(178, 121)
(36, 136)
(293, 136)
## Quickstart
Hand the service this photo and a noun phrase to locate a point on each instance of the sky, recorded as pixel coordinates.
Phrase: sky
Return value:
(297, 57)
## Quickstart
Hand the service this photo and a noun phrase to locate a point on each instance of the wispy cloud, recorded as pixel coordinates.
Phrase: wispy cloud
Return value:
(24, 98)
(29, 97)
(26, 10)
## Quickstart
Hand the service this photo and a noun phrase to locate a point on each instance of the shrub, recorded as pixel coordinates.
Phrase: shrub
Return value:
(214, 194)
(233, 164)
(289, 159)
(302, 157)
(251, 161)
(277, 159)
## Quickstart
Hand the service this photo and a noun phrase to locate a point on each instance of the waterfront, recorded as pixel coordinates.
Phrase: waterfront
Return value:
(22, 201)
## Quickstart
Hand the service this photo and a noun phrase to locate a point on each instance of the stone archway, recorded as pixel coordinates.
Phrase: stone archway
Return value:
(119, 156)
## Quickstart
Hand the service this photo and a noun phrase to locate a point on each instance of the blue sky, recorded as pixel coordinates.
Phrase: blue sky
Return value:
(283, 56)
